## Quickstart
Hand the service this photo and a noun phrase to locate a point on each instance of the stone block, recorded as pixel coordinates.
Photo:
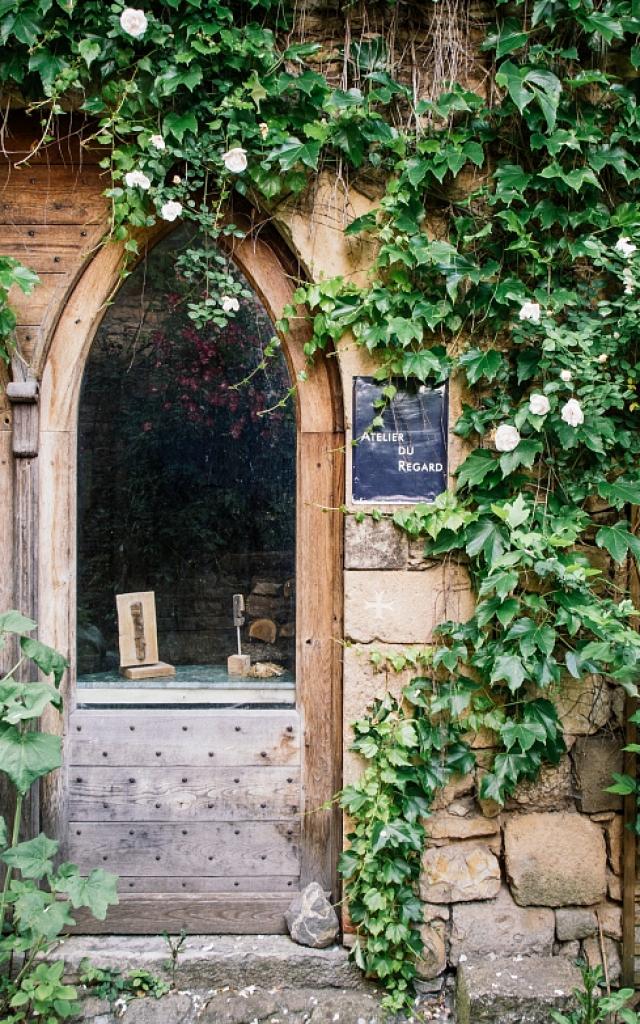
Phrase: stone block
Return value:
(555, 860)
(459, 785)
(501, 928)
(614, 887)
(610, 918)
(552, 790)
(401, 607)
(569, 949)
(595, 760)
(584, 705)
(610, 963)
(434, 954)
(371, 545)
(459, 872)
(174, 1008)
(613, 832)
(575, 923)
(448, 825)
(514, 991)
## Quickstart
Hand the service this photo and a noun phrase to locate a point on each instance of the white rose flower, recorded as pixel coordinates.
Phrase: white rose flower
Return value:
(136, 179)
(230, 304)
(539, 405)
(572, 413)
(264, 129)
(625, 247)
(530, 311)
(133, 22)
(507, 438)
(158, 142)
(603, 357)
(566, 376)
(170, 210)
(235, 159)
(616, 334)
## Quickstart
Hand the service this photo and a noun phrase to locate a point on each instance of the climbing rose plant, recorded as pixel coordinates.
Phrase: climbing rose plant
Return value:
(506, 241)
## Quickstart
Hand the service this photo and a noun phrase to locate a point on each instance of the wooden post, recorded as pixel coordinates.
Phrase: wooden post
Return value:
(630, 810)
(23, 395)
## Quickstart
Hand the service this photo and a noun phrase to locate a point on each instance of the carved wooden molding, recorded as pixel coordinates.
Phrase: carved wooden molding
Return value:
(23, 396)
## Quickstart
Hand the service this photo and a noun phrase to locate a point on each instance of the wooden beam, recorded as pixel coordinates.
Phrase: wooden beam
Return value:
(225, 913)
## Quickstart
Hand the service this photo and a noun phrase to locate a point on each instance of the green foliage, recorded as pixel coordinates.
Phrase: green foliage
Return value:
(38, 893)
(592, 1006)
(535, 258)
(114, 986)
(12, 275)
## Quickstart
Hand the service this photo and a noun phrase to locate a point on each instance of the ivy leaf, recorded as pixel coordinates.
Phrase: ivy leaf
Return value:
(509, 667)
(522, 733)
(476, 467)
(616, 539)
(523, 455)
(478, 364)
(27, 756)
(624, 785)
(293, 152)
(89, 50)
(423, 364)
(488, 537)
(15, 622)
(33, 859)
(620, 492)
(178, 124)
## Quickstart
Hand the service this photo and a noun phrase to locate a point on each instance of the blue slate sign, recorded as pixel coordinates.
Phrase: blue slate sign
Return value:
(405, 460)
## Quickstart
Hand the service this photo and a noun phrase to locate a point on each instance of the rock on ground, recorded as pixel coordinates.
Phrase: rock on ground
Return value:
(515, 990)
(311, 919)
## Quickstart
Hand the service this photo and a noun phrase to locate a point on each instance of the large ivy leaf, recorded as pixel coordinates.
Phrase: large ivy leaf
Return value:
(177, 124)
(488, 537)
(510, 669)
(620, 492)
(293, 152)
(33, 859)
(27, 756)
(15, 622)
(478, 364)
(98, 891)
(523, 455)
(476, 467)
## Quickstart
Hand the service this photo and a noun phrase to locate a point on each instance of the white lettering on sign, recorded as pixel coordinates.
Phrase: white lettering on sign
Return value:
(419, 467)
(384, 438)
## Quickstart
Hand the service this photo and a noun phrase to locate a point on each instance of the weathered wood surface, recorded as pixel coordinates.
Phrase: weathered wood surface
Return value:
(49, 248)
(161, 738)
(162, 794)
(205, 883)
(196, 848)
(216, 914)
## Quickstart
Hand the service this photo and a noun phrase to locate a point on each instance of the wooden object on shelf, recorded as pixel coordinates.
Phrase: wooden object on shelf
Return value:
(138, 637)
(238, 664)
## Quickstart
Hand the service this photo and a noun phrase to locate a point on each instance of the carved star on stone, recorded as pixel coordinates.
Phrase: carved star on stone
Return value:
(379, 606)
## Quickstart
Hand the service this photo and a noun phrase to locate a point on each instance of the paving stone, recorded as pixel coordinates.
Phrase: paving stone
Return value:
(371, 545)
(555, 859)
(500, 927)
(459, 872)
(515, 990)
(596, 758)
(173, 1008)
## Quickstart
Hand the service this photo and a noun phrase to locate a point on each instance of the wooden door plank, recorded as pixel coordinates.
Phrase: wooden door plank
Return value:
(215, 914)
(32, 309)
(162, 738)
(215, 848)
(262, 793)
(128, 884)
(54, 248)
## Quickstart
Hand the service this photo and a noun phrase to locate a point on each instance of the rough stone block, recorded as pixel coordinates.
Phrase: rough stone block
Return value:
(613, 833)
(311, 919)
(434, 954)
(555, 860)
(612, 962)
(175, 1008)
(575, 923)
(371, 545)
(584, 705)
(448, 825)
(460, 872)
(401, 607)
(514, 991)
(596, 758)
(614, 887)
(552, 790)
(500, 927)
(610, 918)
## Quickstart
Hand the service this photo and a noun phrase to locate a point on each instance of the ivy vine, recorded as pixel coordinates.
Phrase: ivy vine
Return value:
(507, 255)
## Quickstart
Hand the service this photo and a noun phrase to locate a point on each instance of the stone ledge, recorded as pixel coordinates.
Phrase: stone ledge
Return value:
(211, 961)
(516, 990)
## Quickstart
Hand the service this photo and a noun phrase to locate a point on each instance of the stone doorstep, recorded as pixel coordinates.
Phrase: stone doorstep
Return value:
(212, 961)
(514, 990)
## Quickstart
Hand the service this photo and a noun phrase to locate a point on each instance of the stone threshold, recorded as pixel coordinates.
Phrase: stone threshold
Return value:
(212, 961)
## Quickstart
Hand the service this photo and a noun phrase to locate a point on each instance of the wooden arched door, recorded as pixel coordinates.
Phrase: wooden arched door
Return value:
(212, 862)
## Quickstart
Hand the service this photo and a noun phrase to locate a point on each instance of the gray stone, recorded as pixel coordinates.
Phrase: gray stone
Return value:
(311, 919)
(555, 860)
(595, 759)
(551, 790)
(460, 872)
(612, 965)
(371, 545)
(174, 1008)
(433, 959)
(212, 961)
(575, 923)
(514, 991)
(500, 927)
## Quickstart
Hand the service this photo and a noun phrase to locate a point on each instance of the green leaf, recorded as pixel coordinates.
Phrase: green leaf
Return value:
(27, 756)
(98, 891)
(509, 667)
(47, 660)
(488, 537)
(476, 467)
(478, 364)
(89, 50)
(15, 622)
(33, 859)
(178, 124)
(616, 539)
(624, 785)
(620, 492)
(293, 152)
(524, 455)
